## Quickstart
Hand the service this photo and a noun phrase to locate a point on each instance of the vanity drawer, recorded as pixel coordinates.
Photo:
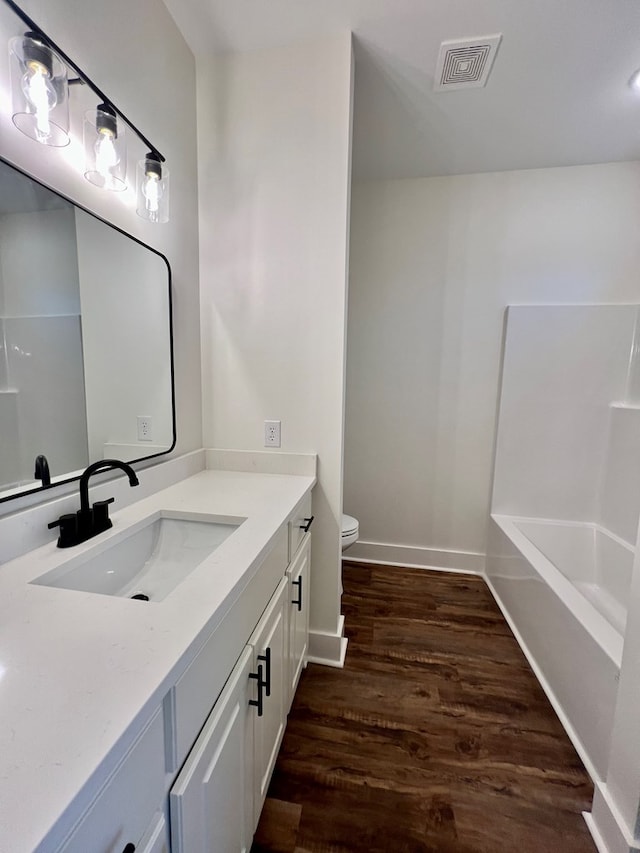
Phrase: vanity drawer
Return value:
(297, 525)
(124, 808)
(197, 690)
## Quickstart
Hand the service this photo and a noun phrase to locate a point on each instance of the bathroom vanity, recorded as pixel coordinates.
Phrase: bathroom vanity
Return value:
(155, 725)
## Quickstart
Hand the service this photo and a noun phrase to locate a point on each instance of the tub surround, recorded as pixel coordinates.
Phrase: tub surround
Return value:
(566, 370)
(619, 499)
(79, 671)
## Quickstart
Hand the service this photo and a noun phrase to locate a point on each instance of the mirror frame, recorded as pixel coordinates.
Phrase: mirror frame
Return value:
(44, 489)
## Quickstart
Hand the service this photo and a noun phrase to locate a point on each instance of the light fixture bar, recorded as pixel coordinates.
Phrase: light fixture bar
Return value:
(31, 25)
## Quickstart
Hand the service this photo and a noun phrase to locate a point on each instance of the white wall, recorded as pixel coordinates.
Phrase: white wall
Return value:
(137, 56)
(274, 158)
(434, 262)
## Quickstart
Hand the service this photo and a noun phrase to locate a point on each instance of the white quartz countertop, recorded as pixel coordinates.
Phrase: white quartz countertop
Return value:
(77, 669)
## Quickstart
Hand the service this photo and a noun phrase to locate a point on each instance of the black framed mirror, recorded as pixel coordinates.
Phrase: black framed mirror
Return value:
(86, 343)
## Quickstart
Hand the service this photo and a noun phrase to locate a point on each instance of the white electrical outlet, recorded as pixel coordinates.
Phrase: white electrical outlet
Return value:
(145, 428)
(272, 433)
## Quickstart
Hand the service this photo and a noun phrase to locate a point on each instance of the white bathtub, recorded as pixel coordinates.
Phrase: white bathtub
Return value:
(562, 586)
(596, 562)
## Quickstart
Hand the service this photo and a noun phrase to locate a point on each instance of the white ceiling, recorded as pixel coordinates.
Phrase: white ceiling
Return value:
(557, 94)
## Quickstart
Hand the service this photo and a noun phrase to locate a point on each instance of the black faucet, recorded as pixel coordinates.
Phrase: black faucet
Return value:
(87, 522)
(42, 471)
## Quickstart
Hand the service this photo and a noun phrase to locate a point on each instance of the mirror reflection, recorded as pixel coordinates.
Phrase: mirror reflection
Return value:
(85, 339)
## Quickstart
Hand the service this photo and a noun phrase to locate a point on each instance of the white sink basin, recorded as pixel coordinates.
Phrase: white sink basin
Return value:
(149, 560)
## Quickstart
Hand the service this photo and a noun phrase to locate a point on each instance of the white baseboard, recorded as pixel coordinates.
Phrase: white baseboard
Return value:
(328, 649)
(380, 553)
(607, 826)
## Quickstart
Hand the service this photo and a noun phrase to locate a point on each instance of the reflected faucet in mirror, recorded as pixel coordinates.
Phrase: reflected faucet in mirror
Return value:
(89, 521)
(42, 471)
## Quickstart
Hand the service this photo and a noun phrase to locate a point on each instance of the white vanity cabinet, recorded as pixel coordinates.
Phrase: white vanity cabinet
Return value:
(298, 633)
(195, 779)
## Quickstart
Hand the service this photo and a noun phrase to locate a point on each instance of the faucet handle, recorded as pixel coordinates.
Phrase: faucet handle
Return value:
(101, 520)
(68, 525)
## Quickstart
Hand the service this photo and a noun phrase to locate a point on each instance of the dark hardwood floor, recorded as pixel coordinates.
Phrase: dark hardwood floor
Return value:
(435, 736)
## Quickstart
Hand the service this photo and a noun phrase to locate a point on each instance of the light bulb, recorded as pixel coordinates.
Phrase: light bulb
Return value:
(39, 92)
(151, 192)
(106, 154)
(153, 189)
(105, 149)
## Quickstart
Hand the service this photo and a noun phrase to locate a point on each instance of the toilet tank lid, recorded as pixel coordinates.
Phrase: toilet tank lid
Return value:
(349, 524)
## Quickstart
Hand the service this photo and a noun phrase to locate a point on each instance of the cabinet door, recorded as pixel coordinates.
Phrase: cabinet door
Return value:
(212, 800)
(270, 650)
(298, 574)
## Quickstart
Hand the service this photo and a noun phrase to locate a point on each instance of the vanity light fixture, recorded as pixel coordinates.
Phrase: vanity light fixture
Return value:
(39, 90)
(105, 149)
(153, 189)
(40, 86)
(634, 82)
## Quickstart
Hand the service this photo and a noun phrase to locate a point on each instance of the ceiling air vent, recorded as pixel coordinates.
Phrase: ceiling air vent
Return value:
(465, 63)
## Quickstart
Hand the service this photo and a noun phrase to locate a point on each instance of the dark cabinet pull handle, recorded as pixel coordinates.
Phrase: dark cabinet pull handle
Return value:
(298, 600)
(266, 657)
(257, 703)
(130, 848)
(307, 525)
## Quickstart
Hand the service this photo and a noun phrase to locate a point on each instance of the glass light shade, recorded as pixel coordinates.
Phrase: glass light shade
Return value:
(105, 149)
(39, 91)
(152, 178)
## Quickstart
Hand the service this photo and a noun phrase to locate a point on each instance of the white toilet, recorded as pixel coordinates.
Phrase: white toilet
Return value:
(350, 530)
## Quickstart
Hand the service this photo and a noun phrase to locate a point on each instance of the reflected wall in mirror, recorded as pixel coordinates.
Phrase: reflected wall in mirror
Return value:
(86, 367)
